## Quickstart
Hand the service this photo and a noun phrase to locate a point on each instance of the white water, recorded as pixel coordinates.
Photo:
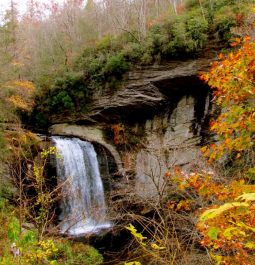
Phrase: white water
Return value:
(83, 204)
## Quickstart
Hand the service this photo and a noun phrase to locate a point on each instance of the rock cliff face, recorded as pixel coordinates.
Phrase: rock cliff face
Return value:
(163, 111)
(147, 90)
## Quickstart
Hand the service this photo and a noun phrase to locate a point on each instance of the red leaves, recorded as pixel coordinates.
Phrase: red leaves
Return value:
(167, 174)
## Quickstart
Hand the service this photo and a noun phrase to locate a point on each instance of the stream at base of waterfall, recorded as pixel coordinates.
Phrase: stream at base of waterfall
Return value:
(83, 207)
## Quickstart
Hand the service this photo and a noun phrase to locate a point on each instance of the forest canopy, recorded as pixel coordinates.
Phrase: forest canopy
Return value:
(72, 50)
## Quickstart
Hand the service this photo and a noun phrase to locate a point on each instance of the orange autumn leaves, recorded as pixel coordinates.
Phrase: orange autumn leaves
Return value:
(118, 133)
(226, 209)
(233, 81)
(228, 229)
(227, 226)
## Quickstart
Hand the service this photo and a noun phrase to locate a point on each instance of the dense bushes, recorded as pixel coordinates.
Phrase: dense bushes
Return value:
(188, 34)
(68, 94)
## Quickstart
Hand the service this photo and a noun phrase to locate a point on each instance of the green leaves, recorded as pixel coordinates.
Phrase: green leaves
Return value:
(28, 238)
(213, 233)
(14, 229)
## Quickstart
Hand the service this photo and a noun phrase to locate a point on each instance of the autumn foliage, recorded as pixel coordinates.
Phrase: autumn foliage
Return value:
(233, 79)
(225, 214)
(228, 226)
(21, 94)
(118, 133)
(225, 207)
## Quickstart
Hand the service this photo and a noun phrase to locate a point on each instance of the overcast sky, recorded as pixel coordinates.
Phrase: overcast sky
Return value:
(21, 5)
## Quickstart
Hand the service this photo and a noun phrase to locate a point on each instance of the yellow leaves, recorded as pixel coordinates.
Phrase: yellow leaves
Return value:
(21, 84)
(49, 151)
(205, 187)
(212, 213)
(43, 251)
(21, 94)
(183, 205)
(205, 150)
(156, 247)
(221, 56)
(230, 228)
(18, 102)
(232, 79)
(247, 227)
(213, 233)
(217, 258)
(48, 245)
(247, 38)
(150, 247)
(231, 231)
(238, 155)
(38, 172)
(171, 204)
(248, 197)
(138, 236)
(250, 245)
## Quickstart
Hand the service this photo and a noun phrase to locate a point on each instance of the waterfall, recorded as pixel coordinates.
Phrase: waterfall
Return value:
(83, 204)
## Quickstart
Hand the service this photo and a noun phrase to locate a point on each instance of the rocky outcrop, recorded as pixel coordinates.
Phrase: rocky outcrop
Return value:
(165, 108)
(147, 90)
(173, 139)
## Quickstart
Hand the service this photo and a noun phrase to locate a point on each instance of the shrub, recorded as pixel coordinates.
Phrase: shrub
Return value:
(116, 65)
(132, 51)
(224, 20)
(85, 254)
(109, 43)
(68, 93)
(146, 58)
(62, 99)
(94, 67)
(197, 28)
(226, 220)
(77, 253)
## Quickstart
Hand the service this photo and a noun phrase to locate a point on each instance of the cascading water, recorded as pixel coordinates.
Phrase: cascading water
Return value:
(83, 204)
